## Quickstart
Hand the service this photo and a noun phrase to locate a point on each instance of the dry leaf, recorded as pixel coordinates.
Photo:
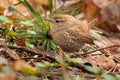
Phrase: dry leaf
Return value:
(91, 10)
(111, 12)
(20, 41)
(20, 65)
(108, 18)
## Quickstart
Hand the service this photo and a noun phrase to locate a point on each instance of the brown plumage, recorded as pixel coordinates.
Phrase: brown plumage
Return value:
(69, 33)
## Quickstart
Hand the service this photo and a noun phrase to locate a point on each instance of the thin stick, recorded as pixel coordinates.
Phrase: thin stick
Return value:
(40, 52)
(118, 45)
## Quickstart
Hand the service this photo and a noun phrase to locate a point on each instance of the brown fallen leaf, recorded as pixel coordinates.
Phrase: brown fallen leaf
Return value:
(111, 12)
(20, 65)
(20, 41)
(106, 63)
(91, 10)
(108, 14)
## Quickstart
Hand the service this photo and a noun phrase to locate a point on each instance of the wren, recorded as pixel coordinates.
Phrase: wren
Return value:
(69, 33)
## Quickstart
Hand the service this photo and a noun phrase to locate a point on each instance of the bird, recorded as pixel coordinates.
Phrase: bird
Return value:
(68, 32)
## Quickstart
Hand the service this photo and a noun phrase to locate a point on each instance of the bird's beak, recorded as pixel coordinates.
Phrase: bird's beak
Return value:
(49, 20)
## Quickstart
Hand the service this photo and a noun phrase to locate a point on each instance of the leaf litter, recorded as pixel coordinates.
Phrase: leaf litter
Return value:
(24, 63)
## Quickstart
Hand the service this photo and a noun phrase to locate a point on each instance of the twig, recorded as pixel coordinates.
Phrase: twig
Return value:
(9, 52)
(101, 49)
(47, 55)
(40, 52)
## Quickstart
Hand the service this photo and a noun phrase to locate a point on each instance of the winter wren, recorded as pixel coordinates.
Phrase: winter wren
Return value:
(69, 33)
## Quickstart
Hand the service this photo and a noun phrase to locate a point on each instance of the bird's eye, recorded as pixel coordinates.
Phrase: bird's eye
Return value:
(60, 20)
(57, 21)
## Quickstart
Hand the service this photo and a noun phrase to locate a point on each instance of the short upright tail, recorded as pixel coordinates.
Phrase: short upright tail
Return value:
(93, 22)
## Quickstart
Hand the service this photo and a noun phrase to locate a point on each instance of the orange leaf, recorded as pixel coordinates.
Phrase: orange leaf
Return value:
(20, 41)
